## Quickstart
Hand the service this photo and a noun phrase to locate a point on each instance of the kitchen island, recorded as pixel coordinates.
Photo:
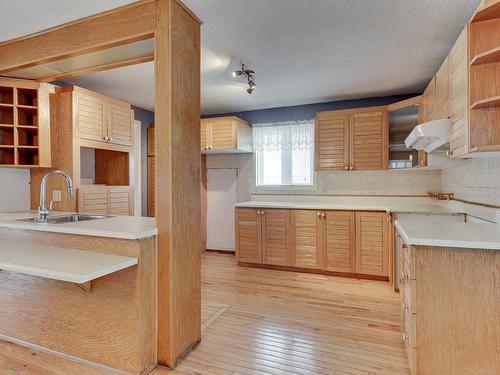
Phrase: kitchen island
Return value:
(83, 290)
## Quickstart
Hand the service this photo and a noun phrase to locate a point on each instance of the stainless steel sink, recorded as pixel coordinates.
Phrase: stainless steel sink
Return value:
(71, 218)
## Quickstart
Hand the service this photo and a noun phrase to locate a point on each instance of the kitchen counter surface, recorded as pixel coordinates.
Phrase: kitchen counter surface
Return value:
(124, 227)
(355, 203)
(425, 232)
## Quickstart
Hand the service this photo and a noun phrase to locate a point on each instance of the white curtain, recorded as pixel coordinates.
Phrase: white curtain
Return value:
(284, 153)
(287, 136)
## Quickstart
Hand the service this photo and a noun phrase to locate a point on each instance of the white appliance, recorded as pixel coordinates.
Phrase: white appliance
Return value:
(221, 198)
(430, 135)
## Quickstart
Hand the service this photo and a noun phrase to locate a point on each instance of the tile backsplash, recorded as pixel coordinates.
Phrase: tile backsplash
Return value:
(334, 183)
(477, 180)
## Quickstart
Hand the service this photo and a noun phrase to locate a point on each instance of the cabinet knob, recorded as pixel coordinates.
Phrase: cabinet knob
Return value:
(258, 212)
(323, 214)
(318, 214)
(346, 168)
(351, 168)
(404, 336)
(262, 212)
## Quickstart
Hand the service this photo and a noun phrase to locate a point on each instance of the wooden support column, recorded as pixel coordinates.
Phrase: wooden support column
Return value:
(177, 116)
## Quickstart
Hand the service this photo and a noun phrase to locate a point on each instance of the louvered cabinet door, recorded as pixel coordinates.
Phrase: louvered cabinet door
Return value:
(372, 243)
(120, 124)
(119, 200)
(93, 199)
(429, 101)
(248, 235)
(369, 141)
(275, 237)
(332, 138)
(222, 135)
(459, 66)
(340, 241)
(306, 250)
(91, 118)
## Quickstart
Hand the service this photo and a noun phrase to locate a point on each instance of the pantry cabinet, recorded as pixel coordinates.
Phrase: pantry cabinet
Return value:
(347, 242)
(355, 139)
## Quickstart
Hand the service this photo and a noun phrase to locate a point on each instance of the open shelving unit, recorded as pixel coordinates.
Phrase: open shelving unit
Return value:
(19, 126)
(484, 92)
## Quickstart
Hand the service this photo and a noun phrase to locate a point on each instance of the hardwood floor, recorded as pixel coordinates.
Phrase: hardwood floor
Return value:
(269, 322)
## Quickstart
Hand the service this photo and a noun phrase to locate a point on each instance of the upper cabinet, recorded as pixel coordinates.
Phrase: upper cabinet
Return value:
(102, 119)
(429, 102)
(459, 88)
(225, 135)
(484, 78)
(442, 106)
(25, 123)
(355, 139)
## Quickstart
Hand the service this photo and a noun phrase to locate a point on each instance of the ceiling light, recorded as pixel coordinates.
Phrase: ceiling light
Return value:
(249, 75)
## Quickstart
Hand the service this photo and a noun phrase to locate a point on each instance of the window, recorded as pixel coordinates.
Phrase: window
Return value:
(284, 153)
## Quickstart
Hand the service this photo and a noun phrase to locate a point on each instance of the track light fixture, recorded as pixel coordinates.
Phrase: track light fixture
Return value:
(249, 75)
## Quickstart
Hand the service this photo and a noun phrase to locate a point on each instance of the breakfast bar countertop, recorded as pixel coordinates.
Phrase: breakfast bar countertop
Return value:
(124, 227)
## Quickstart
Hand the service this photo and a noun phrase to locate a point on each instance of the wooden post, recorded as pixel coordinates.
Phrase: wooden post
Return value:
(177, 116)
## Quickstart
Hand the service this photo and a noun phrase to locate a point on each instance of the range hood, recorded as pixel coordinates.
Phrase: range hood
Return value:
(430, 135)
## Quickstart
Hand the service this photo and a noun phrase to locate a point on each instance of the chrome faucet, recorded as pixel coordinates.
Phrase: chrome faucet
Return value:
(43, 211)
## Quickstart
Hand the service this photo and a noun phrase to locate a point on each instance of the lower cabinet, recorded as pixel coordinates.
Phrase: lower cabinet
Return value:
(352, 242)
(105, 200)
(248, 235)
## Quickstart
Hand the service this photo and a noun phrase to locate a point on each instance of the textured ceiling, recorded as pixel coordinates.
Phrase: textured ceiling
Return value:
(303, 51)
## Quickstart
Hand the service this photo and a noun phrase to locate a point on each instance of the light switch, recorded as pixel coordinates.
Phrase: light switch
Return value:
(56, 195)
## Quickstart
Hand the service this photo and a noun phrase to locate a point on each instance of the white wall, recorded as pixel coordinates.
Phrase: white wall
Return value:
(335, 183)
(14, 189)
(477, 180)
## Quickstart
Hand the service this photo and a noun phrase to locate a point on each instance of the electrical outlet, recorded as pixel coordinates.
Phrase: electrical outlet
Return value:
(56, 195)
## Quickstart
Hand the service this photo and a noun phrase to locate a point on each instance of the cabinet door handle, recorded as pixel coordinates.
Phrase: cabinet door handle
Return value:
(405, 337)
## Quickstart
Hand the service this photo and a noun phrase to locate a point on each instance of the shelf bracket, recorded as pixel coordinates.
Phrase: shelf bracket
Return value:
(85, 286)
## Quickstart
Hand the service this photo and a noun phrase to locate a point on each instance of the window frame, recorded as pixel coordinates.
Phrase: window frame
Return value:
(286, 168)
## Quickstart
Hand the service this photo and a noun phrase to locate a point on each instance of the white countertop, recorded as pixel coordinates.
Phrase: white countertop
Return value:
(125, 227)
(355, 203)
(425, 232)
(59, 263)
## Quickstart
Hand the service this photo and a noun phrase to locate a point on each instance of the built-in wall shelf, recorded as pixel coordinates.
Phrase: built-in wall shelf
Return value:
(488, 57)
(487, 13)
(486, 103)
(20, 124)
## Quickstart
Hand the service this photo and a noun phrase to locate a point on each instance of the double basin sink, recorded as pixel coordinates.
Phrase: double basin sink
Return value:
(67, 218)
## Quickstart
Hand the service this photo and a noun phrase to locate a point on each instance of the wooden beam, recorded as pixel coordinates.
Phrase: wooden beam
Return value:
(177, 116)
(97, 68)
(116, 27)
(405, 103)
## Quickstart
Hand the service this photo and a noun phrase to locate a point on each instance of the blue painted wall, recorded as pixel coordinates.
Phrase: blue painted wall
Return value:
(308, 111)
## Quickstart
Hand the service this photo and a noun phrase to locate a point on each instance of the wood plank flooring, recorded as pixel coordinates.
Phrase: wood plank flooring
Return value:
(268, 322)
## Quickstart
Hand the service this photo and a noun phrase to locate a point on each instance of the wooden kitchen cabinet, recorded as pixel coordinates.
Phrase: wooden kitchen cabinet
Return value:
(276, 237)
(332, 145)
(372, 243)
(442, 106)
(105, 200)
(449, 318)
(459, 87)
(225, 135)
(429, 101)
(248, 235)
(355, 139)
(347, 242)
(25, 123)
(369, 140)
(340, 236)
(306, 235)
(102, 119)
